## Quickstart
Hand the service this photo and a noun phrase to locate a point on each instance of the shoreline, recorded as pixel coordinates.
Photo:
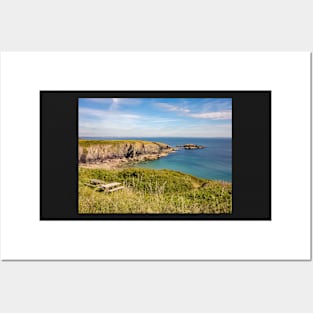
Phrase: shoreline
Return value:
(101, 166)
(111, 154)
(124, 154)
(121, 163)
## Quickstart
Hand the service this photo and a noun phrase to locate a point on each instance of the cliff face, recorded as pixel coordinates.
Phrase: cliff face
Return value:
(132, 151)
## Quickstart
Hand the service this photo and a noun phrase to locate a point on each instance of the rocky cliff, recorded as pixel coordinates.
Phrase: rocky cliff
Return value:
(106, 151)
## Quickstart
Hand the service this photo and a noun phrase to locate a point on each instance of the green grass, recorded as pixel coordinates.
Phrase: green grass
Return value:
(88, 143)
(117, 143)
(153, 191)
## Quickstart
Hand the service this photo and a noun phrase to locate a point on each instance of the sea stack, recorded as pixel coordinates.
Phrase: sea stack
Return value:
(191, 146)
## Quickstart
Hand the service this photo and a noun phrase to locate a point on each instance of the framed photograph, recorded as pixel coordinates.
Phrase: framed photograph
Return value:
(155, 156)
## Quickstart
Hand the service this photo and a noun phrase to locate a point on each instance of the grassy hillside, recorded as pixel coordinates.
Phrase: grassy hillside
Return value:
(88, 143)
(153, 191)
(103, 151)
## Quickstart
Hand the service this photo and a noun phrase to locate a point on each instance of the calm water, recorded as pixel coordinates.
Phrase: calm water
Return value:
(213, 162)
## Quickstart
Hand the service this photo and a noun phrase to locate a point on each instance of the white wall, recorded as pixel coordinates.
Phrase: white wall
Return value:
(148, 286)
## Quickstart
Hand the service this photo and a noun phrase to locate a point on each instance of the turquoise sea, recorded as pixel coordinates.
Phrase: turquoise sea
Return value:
(213, 162)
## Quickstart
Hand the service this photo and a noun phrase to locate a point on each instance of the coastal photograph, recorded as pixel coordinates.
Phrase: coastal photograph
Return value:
(155, 155)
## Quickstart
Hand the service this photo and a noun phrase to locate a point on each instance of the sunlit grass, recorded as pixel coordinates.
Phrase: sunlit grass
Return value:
(153, 191)
(87, 143)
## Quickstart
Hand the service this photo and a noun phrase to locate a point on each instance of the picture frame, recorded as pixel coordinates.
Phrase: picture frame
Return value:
(244, 131)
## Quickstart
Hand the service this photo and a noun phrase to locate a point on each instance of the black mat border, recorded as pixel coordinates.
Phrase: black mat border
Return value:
(67, 210)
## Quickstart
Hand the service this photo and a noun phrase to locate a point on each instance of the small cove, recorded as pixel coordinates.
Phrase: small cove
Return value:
(212, 162)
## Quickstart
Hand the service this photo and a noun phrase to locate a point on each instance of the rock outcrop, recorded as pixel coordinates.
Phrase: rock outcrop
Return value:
(116, 152)
(191, 146)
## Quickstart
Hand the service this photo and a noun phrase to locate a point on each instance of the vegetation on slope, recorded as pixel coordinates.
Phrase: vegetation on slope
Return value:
(103, 151)
(153, 191)
(88, 143)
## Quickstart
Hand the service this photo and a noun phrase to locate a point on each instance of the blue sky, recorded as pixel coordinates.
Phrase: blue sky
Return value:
(155, 117)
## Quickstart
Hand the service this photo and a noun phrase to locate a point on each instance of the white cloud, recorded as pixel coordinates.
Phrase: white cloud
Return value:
(221, 115)
(101, 114)
(172, 108)
(218, 115)
(99, 122)
(109, 101)
(160, 120)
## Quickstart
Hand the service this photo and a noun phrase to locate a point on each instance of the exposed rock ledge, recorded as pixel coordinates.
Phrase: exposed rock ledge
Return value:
(191, 146)
(118, 153)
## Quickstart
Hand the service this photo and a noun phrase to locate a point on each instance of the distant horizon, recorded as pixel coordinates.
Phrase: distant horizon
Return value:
(155, 117)
(128, 137)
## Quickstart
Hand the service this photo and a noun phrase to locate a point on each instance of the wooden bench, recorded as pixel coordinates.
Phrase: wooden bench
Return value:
(114, 189)
(100, 185)
(110, 187)
(96, 181)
